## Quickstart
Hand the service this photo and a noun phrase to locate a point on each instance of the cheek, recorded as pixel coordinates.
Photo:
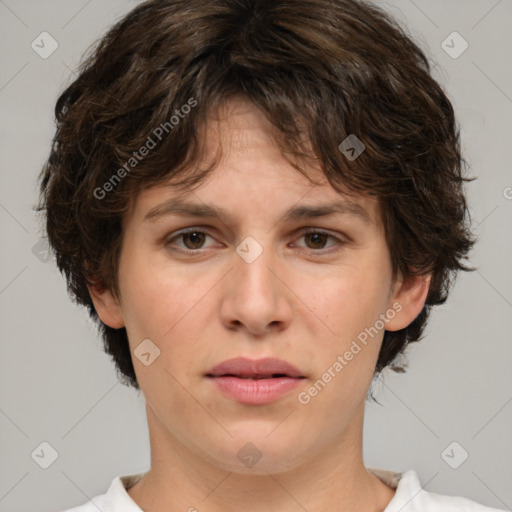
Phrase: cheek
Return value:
(349, 304)
(150, 299)
(346, 354)
(169, 308)
(351, 300)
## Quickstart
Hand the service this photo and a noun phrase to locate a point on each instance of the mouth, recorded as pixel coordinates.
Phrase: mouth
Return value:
(255, 382)
(256, 377)
(257, 369)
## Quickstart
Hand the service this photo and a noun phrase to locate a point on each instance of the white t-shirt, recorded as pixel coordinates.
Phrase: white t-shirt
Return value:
(409, 496)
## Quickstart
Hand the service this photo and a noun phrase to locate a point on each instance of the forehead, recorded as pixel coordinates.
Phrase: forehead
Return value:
(250, 176)
(211, 203)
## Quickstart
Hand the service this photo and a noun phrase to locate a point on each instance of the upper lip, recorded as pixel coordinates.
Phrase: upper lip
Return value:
(244, 367)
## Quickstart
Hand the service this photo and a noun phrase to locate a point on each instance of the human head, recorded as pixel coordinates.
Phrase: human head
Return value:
(316, 82)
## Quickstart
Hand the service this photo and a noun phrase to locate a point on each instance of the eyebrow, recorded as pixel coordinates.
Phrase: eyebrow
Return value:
(183, 208)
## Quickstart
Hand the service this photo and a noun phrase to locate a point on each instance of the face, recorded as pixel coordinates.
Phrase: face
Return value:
(256, 282)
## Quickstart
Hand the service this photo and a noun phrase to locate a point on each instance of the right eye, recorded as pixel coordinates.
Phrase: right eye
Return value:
(193, 239)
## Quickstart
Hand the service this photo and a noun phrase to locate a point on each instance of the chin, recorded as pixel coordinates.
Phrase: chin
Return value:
(257, 453)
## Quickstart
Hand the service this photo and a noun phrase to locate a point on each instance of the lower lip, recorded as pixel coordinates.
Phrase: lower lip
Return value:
(255, 391)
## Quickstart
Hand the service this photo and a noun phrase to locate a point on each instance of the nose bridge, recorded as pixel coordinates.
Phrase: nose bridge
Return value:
(256, 296)
(254, 260)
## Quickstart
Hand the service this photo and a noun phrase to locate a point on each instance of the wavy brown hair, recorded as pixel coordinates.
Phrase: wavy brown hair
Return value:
(318, 69)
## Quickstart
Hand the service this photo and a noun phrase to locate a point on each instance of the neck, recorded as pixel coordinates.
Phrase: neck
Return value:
(330, 479)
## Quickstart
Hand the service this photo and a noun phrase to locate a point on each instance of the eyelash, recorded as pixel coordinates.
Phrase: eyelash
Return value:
(305, 232)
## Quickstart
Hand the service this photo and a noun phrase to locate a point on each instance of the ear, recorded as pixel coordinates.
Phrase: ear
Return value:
(411, 294)
(107, 307)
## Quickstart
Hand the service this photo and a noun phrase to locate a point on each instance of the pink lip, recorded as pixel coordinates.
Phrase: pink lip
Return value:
(229, 379)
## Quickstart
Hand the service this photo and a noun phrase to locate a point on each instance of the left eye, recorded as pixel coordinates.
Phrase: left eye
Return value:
(194, 239)
(317, 238)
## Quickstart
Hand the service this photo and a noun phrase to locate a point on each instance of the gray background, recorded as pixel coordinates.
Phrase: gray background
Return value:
(56, 385)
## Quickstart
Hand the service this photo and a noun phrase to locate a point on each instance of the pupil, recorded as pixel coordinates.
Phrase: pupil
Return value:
(315, 238)
(194, 235)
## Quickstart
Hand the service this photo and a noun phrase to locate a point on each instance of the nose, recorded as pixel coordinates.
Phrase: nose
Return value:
(256, 297)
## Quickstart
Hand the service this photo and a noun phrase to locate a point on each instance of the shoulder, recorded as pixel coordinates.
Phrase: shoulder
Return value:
(116, 499)
(411, 497)
(93, 505)
(99, 502)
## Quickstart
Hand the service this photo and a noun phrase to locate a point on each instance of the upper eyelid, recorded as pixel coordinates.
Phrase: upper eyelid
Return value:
(298, 233)
(201, 229)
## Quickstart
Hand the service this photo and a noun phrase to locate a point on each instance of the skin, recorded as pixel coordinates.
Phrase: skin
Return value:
(295, 302)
